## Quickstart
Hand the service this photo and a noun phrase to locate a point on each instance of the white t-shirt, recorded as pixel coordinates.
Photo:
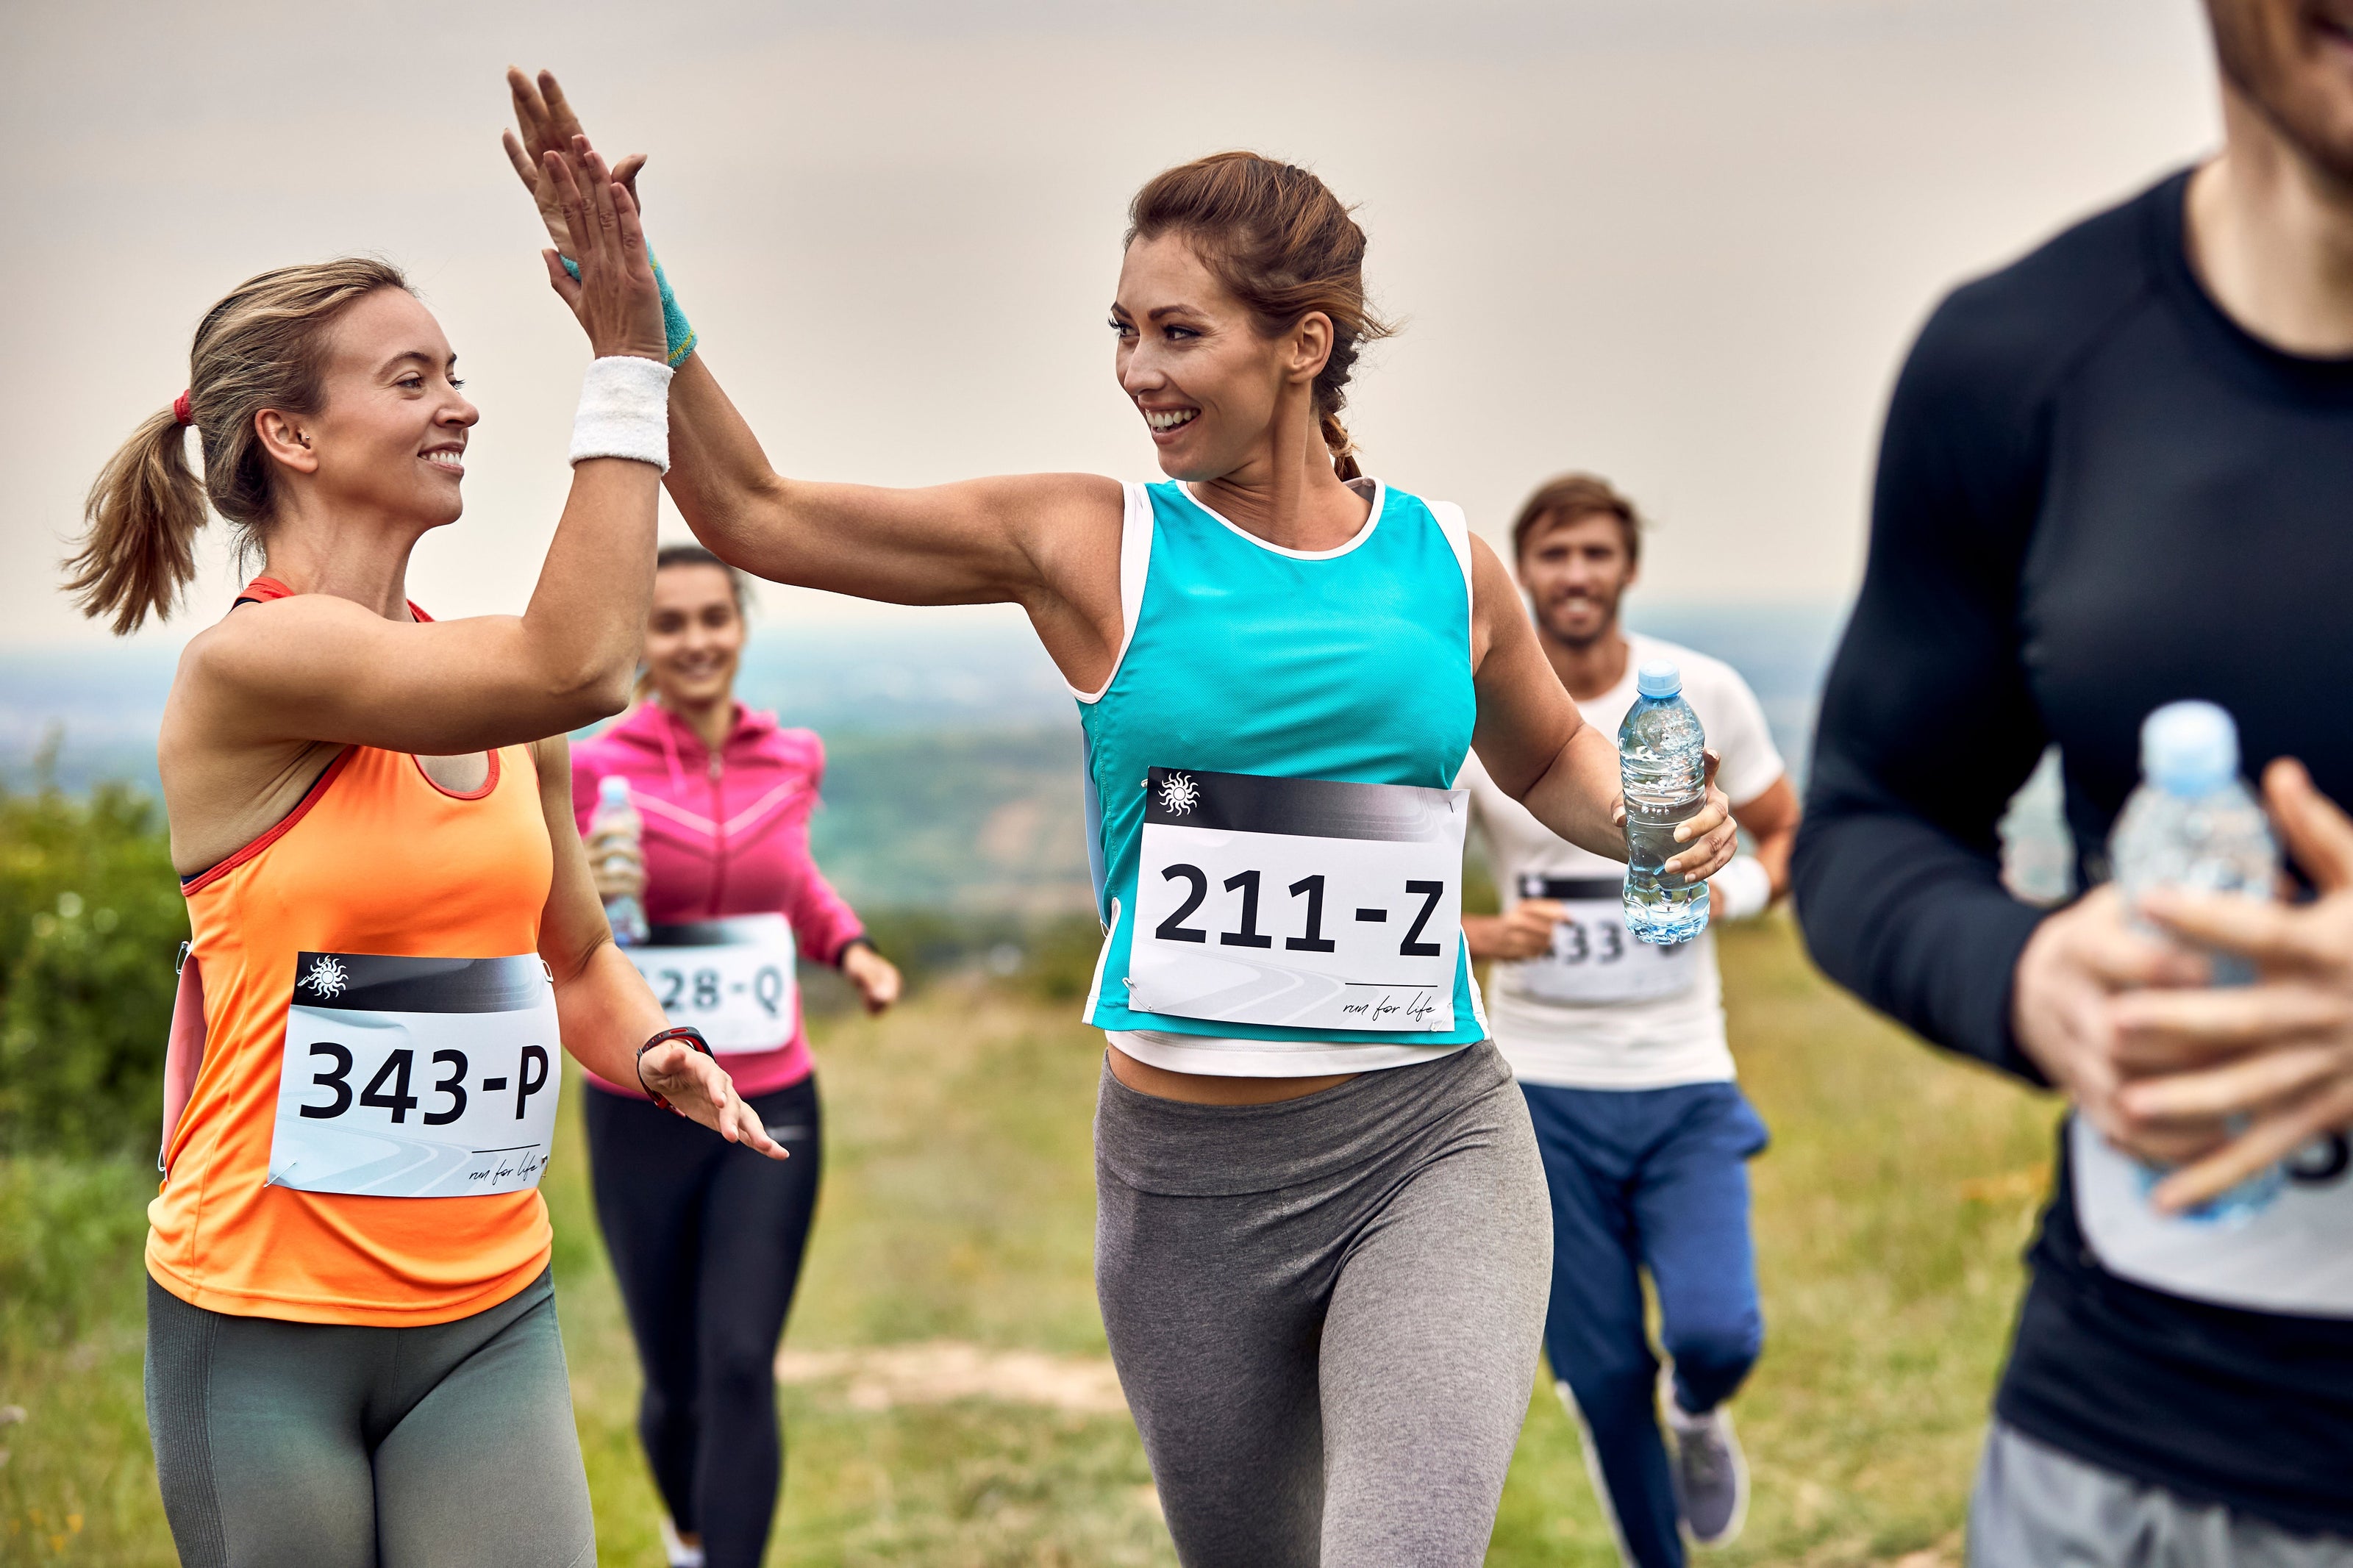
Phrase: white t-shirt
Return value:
(1644, 1044)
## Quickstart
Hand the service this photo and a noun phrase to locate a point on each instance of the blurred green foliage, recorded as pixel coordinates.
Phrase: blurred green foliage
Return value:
(70, 1232)
(1050, 957)
(90, 920)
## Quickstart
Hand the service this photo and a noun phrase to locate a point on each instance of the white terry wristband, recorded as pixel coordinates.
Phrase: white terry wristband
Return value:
(624, 412)
(1744, 887)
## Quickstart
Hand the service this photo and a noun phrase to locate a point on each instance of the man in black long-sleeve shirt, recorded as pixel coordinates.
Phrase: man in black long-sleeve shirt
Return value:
(2117, 473)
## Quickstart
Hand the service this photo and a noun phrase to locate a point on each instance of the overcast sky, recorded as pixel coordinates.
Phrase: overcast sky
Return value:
(1680, 242)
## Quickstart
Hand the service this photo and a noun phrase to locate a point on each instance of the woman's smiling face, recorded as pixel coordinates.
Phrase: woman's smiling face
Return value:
(694, 635)
(1193, 361)
(391, 431)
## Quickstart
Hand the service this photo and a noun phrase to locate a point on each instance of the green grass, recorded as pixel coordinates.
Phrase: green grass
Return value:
(958, 1206)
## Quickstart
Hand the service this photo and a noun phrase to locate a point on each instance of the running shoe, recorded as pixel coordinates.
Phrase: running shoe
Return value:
(679, 1553)
(1711, 1475)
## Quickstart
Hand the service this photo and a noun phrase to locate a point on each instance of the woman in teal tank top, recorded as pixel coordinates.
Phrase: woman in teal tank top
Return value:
(1323, 1243)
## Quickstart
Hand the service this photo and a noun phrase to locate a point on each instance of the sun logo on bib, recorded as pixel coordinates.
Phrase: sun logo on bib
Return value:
(326, 977)
(1179, 795)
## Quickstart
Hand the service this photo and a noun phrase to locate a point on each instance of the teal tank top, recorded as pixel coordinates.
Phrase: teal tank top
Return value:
(1351, 665)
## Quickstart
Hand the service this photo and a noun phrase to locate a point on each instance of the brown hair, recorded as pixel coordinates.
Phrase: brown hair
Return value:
(264, 346)
(1281, 243)
(1574, 496)
(670, 556)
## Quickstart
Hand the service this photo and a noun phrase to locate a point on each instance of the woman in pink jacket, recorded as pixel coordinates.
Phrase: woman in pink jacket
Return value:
(708, 1242)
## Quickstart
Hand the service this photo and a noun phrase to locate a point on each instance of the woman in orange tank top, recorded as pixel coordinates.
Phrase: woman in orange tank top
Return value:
(352, 1347)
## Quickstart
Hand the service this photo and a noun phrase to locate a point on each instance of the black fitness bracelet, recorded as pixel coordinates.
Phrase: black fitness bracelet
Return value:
(692, 1036)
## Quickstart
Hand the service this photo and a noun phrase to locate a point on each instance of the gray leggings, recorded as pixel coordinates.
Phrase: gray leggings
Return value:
(1326, 1312)
(283, 1445)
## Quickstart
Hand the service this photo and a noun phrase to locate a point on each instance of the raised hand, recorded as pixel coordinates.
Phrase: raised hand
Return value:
(547, 124)
(615, 298)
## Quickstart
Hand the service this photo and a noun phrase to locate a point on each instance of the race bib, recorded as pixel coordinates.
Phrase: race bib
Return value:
(1593, 957)
(417, 1078)
(732, 979)
(2295, 1255)
(1298, 902)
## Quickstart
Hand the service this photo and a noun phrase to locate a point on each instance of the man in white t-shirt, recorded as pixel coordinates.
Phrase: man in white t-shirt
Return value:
(1619, 1049)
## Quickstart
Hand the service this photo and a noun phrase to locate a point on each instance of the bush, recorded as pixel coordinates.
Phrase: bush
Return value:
(90, 920)
(70, 1232)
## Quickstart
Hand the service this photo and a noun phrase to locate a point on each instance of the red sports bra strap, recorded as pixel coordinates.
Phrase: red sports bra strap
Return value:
(261, 590)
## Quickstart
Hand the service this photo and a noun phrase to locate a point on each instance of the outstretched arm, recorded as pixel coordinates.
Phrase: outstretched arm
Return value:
(1011, 539)
(1543, 753)
(1049, 543)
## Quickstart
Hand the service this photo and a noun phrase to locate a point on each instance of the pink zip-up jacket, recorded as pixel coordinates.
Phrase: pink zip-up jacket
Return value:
(725, 834)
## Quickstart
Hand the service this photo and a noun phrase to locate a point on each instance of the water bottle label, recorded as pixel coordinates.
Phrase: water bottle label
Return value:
(2294, 1254)
(732, 979)
(417, 1078)
(1594, 957)
(1299, 903)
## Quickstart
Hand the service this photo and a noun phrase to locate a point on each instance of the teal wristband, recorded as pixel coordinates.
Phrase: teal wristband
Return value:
(675, 326)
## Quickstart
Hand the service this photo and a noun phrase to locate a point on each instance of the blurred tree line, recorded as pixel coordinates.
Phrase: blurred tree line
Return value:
(91, 923)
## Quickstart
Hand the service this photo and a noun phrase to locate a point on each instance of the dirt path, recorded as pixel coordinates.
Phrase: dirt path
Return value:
(942, 1370)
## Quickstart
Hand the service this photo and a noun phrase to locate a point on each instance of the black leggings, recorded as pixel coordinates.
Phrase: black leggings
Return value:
(707, 1238)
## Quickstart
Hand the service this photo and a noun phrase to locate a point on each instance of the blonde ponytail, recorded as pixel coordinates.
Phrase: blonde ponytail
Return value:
(264, 346)
(143, 514)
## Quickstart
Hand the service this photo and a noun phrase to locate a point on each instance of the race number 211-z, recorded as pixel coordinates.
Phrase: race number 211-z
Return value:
(1310, 903)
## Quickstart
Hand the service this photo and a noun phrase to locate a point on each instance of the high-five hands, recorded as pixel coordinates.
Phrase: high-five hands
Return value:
(615, 298)
(2219, 1081)
(547, 124)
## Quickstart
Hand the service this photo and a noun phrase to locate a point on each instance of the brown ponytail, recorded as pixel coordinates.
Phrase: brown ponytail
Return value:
(262, 347)
(143, 513)
(1283, 244)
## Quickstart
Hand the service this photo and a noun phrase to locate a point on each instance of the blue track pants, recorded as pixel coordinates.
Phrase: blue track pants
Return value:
(1650, 1179)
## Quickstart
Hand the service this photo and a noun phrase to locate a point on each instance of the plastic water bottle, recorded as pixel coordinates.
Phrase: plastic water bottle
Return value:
(1664, 773)
(625, 914)
(2193, 823)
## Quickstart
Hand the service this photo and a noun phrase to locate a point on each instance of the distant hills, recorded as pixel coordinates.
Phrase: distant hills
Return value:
(953, 777)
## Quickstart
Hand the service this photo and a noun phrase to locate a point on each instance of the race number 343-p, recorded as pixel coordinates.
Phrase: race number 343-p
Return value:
(1302, 903)
(417, 1078)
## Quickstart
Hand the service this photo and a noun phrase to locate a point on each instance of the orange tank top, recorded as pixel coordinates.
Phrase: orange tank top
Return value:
(376, 859)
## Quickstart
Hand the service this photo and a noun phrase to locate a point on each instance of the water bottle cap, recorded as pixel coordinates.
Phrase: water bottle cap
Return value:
(612, 790)
(2189, 748)
(1660, 678)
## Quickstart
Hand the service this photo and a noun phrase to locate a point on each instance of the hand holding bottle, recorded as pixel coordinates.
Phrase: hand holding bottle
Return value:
(2276, 1056)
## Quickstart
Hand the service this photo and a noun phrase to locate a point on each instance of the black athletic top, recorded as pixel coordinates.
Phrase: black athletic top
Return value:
(2097, 493)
